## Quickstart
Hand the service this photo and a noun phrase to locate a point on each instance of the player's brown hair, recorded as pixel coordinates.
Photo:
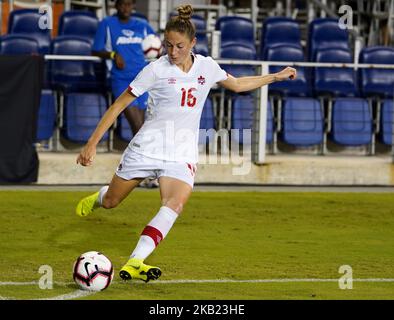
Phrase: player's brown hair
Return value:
(182, 23)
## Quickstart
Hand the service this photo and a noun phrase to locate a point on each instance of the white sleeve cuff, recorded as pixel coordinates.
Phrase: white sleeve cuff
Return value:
(134, 91)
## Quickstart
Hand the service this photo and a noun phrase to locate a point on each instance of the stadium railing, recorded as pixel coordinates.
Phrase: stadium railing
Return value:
(258, 141)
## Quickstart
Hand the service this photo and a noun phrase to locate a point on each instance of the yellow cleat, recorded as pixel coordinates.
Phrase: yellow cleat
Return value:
(87, 205)
(136, 269)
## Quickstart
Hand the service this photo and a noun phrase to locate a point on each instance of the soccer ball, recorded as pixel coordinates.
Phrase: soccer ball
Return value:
(152, 47)
(93, 271)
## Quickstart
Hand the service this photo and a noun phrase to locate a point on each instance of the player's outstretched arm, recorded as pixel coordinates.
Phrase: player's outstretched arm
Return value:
(243, 84)
(85, 158)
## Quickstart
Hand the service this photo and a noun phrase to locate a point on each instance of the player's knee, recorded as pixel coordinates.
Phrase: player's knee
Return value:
(173, 204)
(109, 203)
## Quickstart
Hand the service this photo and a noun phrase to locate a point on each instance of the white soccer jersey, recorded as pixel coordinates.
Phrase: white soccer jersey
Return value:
(176, 99)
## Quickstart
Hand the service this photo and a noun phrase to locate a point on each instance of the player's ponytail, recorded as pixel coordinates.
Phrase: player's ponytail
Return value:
(182, 23)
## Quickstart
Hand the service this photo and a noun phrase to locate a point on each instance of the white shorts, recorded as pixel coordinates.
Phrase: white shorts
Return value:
(134, 165)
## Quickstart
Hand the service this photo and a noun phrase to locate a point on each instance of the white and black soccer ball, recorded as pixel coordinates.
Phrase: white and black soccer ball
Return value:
(93, 271)
(152, 47)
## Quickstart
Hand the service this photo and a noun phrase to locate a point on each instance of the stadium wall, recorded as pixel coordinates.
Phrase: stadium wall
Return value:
(56, 168)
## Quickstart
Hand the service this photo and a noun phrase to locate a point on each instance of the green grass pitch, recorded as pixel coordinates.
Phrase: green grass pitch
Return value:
(220, 235)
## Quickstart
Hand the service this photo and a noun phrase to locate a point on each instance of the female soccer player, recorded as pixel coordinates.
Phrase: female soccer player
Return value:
(166, 146)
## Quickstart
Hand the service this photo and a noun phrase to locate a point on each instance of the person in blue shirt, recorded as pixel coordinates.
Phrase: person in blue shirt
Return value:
(118, 40)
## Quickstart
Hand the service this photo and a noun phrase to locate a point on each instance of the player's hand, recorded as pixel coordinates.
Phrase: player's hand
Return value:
(85, 158)
(286, 73)
(120, 64)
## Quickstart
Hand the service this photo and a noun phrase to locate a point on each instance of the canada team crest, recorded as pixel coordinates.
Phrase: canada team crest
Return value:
(201, 80)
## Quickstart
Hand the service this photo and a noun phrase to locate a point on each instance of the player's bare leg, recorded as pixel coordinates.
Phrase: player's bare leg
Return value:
(174, 195)
(108, 197)
(118, 190)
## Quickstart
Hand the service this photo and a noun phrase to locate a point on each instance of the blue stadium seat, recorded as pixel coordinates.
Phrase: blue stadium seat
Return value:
(82, 112)
(24, 44)
(339, 82)
(46, 115)
(351, 122)
(302, 122)
(78, 23)
(325, 33)
(72, 75)
(238, 52)
(199, 22)
(279, 30)
(242, 117)
(207, 122)
(387, 122)
(236, 30)
(123, 129)
(201, 46)
(373, 81)
(26, 22)
(298, 87)
(18, 44)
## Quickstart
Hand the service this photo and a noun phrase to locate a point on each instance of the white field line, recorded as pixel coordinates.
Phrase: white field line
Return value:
(7, 298)
(264, 281)
(279, 280)
(11, 283)
(69, 296)
(81, 293)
